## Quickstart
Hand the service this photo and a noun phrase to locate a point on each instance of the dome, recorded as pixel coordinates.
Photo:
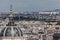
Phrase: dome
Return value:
(11, 32)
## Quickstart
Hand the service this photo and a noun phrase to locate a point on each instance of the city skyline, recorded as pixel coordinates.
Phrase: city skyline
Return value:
(29, 5)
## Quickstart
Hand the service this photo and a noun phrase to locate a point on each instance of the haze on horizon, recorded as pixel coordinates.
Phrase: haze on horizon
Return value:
(29, 5)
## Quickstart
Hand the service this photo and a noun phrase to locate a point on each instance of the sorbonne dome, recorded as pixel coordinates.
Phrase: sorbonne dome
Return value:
(11, 32)
(11, 29)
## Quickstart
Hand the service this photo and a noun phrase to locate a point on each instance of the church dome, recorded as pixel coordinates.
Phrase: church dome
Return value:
(11, 32)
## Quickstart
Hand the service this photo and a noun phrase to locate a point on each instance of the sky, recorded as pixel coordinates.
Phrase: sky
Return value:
(29, 5)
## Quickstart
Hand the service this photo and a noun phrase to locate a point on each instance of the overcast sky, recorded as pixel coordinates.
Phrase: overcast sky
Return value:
(29, 5)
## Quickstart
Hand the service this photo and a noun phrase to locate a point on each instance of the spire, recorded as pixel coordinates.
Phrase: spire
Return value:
(11, 7)
(11, 12)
